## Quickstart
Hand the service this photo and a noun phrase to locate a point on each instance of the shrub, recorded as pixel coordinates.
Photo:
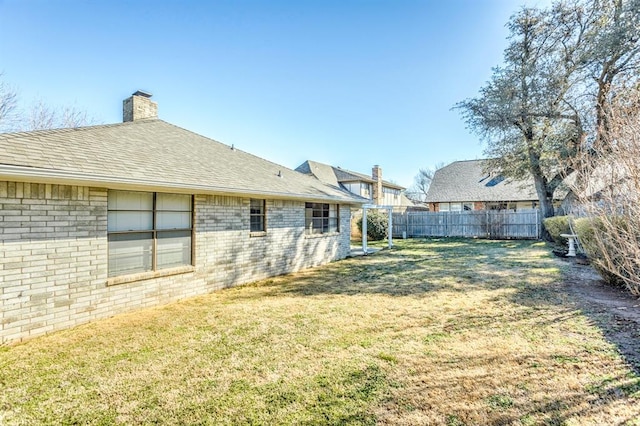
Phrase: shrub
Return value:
(558, 225)
(603, 250)
(377, 224)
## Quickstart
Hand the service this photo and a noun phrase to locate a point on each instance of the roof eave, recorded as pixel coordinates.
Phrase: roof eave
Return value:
(60, 177)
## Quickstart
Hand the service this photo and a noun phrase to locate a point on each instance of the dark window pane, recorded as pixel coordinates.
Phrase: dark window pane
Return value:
(257, 224)
(257, 215)
(321, 218)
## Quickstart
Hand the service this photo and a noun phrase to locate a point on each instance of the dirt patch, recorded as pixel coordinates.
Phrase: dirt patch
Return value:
(616, 311)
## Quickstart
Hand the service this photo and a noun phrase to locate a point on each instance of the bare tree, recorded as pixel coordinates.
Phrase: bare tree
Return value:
(608, 189)
(421, 183)
(44, 116)
(39, 115)
(8, 106)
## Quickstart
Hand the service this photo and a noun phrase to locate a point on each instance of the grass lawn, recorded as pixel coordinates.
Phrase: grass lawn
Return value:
(452, 332)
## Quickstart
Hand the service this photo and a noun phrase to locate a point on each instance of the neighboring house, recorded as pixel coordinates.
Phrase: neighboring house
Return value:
(107, 219)
(464, 185)
(607, 183)
(378, 191)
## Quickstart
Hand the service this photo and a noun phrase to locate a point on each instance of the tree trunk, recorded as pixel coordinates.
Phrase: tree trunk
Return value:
(546, 203)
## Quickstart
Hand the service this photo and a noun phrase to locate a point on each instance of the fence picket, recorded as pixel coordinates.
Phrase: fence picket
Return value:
(498, 224)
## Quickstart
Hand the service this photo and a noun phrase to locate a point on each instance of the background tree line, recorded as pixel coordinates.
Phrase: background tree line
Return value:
(16, 116)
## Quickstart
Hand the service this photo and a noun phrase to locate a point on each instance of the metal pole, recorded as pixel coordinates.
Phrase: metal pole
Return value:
(364, 230)
(390, 227)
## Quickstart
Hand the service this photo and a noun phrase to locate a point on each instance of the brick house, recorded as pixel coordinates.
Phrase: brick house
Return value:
(464, 185)
(106, 219)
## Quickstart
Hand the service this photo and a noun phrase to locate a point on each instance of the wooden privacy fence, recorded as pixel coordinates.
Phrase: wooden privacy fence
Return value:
(498, 224)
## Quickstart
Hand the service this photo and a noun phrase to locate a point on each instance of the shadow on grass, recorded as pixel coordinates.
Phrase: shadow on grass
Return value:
(612, 310)
(523, 273)
(626, 338)
(521, 401)
(416, 268)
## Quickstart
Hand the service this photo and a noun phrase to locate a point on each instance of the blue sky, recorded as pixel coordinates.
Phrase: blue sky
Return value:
(350, 83)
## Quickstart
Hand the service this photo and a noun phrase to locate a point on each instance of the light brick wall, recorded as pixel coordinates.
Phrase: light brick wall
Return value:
(53, 252)
(230, 254)
(53, 255)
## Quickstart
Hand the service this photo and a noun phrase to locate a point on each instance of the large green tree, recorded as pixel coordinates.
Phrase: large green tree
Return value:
(542, 104)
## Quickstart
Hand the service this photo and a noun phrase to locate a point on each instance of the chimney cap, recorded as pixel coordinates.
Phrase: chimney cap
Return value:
(142, 93)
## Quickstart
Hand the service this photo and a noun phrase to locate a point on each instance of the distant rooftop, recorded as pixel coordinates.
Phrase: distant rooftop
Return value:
(467, 181)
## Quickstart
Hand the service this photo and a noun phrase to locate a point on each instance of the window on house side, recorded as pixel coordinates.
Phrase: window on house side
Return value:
(365, 189)
(148, 231)
(257, 215)
(497, 206)
(321, 218)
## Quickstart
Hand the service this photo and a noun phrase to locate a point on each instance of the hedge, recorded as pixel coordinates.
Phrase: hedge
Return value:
(593, 236)
(557, 225)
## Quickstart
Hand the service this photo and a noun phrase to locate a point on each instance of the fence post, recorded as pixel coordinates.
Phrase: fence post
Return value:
(446, 224)
(486, 223)
(406, 223)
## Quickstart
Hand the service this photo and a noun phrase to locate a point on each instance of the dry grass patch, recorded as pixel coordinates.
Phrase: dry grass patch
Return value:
(432, 332)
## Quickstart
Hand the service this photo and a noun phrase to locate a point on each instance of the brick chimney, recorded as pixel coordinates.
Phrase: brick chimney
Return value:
(376, 175)
(139, 107)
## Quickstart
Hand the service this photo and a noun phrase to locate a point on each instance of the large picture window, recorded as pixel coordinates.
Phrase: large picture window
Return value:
(321, 218)
(148, 231)
(257, 216)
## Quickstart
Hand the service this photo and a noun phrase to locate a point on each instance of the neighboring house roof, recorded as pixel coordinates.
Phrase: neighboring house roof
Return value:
(407, 202)
(154, 155)
(466, 181)
(336, 175)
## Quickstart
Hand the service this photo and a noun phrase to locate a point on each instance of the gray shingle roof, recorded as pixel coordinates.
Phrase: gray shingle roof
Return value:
(335, 175)
(152, 153)
(466, 181)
